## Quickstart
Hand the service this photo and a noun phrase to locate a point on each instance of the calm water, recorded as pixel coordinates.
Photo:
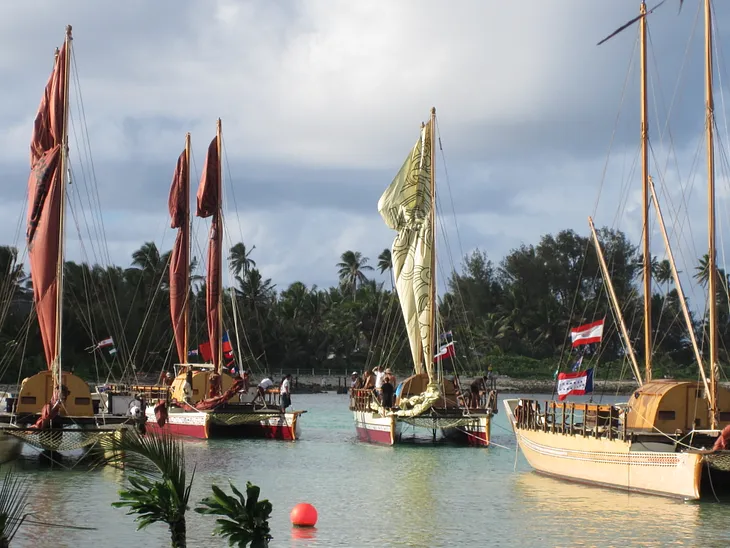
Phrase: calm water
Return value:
(379, 496)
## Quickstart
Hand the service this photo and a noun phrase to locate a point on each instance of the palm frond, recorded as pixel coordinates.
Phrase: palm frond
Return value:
(13, 505)
(243, 521)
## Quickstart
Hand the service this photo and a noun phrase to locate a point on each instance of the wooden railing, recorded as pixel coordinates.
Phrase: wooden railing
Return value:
(360, 399)
(585, 419)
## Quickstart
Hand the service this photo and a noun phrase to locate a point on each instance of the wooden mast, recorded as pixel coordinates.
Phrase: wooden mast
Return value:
(616, 306)
(645, 200)
(219, 235)
(432, 288)
(187, 226)
(711, 253)
(678, 287)
(57, 371)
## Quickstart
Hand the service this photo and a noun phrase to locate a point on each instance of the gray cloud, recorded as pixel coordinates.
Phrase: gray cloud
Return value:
(320, 103)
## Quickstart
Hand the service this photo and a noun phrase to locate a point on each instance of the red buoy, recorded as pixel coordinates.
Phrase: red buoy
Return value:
(303, 515)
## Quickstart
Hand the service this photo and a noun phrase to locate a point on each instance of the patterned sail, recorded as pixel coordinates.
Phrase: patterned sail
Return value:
(406, 207)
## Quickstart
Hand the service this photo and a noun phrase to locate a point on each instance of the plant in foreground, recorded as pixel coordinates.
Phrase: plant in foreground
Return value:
(159, 490)
(13, 503)
(244, 521)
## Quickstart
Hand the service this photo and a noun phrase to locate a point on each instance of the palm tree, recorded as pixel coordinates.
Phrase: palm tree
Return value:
(702, 270)
(159, 490)
(664, 272)
(13, 503)
(385, 262)
(242, 521)
(239, 261)
(351, 269)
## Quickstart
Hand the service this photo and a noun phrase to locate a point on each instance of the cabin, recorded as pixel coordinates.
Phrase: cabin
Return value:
(201, 378)
(672, 407)
(37, 391)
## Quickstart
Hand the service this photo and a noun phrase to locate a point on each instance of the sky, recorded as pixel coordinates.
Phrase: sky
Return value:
(321, 101)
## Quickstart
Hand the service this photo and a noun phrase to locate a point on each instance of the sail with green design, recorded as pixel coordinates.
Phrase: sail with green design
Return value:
(407, 206)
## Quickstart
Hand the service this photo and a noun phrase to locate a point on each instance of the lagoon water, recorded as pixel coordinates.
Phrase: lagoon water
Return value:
(376, 496)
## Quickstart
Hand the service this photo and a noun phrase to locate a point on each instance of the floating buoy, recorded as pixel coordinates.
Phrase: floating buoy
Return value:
(303, 515)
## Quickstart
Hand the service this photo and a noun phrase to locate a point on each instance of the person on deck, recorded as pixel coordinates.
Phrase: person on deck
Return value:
(188, 388)
(285, 392)
(475, 389)
(379, 378)
(355, 381)
(368, 382)
(263, 386)
(387, 390)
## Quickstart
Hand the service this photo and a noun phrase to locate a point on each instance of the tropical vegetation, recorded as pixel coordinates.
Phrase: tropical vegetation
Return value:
(513, 314)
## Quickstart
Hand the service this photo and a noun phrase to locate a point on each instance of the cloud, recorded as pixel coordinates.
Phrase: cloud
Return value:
(320, 102)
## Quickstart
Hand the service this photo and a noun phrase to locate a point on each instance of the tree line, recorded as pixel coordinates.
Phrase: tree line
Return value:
(514, 315)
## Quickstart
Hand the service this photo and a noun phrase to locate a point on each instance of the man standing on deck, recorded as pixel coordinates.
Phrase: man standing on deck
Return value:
(285, 392)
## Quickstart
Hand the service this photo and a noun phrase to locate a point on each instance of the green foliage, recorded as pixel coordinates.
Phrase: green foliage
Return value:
(13, 505)
(159, 490)
(518, 310)
(244, 521)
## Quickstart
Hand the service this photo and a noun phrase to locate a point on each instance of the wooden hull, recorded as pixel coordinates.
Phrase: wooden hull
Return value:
(207, 424)
(390, 430)
(609, 463)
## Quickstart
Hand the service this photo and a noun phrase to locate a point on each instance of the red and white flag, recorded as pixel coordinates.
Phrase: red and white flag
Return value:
(105, 343)
(446, 351)
(587, 334)
(575, 384)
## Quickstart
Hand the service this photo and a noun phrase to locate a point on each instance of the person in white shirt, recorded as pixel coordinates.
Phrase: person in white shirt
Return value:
(379, 378)
(285, 392)
(263, 386)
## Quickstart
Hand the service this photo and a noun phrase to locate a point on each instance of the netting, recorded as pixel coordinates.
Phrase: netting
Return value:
(440, 422)
(60, 439)
(719, 460)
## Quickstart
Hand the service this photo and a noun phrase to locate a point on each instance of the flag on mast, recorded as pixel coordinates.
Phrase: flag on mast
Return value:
(587, 334)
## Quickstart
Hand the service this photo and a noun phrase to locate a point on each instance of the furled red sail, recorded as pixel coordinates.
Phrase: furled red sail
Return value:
(44, 204)
(179, 205)
(209, 205)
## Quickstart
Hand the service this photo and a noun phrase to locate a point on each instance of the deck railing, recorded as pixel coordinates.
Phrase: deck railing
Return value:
(584, 419)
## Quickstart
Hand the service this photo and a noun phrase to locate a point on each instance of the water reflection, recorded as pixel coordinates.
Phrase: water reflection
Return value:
(572, 514)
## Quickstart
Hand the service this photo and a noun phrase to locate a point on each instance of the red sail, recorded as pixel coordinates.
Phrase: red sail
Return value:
(179, 205)
(44, 204)
(209, 204)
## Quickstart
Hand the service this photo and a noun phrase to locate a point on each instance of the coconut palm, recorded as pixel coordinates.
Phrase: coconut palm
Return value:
(243, 521)
(13, 503)
(159, 490)
(385, 262)
(239, 261)
(351, 267)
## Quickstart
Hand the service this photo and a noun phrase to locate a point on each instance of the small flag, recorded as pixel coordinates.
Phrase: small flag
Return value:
(113, 351)
(193, 352)
(105, 343)
(446, 351)
(446, 337)
(587, 334)
(577, 384)
(578, 363)
(206, 353)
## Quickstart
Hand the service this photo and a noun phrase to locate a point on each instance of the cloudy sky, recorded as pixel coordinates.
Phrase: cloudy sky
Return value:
(322, 99)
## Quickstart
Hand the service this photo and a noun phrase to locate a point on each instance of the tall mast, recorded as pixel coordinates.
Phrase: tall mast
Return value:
(57, 371)
(219, 235)
(186, 226)
(432, 319)
(711, 266)
(645, 200)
